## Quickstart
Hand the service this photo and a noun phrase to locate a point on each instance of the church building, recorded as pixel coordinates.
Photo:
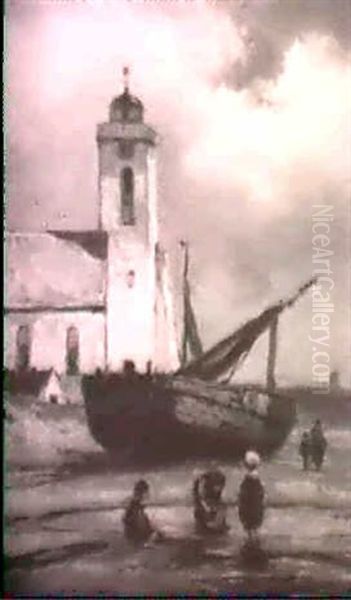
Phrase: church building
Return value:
(76, 301)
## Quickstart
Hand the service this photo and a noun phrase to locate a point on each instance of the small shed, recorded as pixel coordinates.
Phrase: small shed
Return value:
(51, 390)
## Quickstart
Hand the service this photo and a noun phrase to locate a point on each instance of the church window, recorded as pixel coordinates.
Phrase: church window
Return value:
(72, 351)
(127, 196)
(23, 344)
(130, 278)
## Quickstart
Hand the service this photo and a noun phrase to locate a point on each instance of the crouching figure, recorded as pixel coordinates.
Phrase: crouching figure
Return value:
(137, 525)
(210, 511)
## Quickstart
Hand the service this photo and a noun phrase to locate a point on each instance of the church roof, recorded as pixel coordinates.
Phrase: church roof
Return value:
(93, 242)
(58, 270)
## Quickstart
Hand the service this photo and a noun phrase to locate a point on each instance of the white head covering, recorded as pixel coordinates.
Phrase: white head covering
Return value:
(252, 459)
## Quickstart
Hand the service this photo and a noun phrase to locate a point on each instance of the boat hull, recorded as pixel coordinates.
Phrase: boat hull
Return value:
(167, 419)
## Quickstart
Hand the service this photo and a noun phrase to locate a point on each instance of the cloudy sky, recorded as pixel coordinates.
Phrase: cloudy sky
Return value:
(251, 99)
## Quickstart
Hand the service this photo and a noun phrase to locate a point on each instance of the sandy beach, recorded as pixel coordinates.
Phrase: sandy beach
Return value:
(64, 503)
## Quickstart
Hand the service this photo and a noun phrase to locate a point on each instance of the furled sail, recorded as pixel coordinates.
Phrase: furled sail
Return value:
(272, 353)
(191, 334)
(227, 353)
(190, 338)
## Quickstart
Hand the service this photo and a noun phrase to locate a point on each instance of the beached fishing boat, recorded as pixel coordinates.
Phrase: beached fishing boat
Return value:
(195, 411)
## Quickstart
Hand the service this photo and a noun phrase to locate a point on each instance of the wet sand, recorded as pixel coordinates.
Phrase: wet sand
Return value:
(107, 564)
(66, 537)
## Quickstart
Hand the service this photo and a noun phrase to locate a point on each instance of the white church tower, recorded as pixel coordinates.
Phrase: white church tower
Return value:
(128, 214)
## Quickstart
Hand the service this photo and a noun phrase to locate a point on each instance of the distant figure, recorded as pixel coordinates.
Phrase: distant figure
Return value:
(149, 369)
(305, 449)
(334, 381)
(209, 509)
(129, 371)
(137, 525)
(318, 444)
(251, 497)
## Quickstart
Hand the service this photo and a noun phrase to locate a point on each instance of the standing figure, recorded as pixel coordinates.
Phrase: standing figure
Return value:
(305, 449)
(209, 509)
(318, 444)
(251, 497)
(137, 525)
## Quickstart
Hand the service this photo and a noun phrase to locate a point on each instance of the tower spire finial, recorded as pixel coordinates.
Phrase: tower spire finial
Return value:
(126, 78)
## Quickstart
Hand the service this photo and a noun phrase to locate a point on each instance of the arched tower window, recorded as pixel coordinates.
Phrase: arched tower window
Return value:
(23, 347)
(127, 196)
(72, 351)
(130, 278)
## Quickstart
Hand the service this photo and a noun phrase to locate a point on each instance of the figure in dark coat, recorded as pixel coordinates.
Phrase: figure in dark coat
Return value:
(318, 444)
(251, 496)
(137, 525)
(209, 509)
(305, 449)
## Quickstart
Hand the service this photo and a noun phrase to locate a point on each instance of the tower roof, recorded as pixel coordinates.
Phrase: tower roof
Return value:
(126, 108)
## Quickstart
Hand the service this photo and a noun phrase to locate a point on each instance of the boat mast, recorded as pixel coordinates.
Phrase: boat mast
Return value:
(272, 354)
(184, 353)
(273, 335)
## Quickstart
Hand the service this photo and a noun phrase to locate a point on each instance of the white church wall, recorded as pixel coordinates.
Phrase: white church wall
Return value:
(152, 195)
(166, 356)
(130, 315)
(131, 247)
(48, 339)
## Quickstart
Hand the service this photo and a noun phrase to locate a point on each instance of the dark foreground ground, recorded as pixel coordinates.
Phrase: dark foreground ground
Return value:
(187, 565)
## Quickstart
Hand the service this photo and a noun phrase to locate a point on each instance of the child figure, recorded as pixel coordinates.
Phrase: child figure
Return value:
(137, 525)
(251, 497)
(209, 508)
